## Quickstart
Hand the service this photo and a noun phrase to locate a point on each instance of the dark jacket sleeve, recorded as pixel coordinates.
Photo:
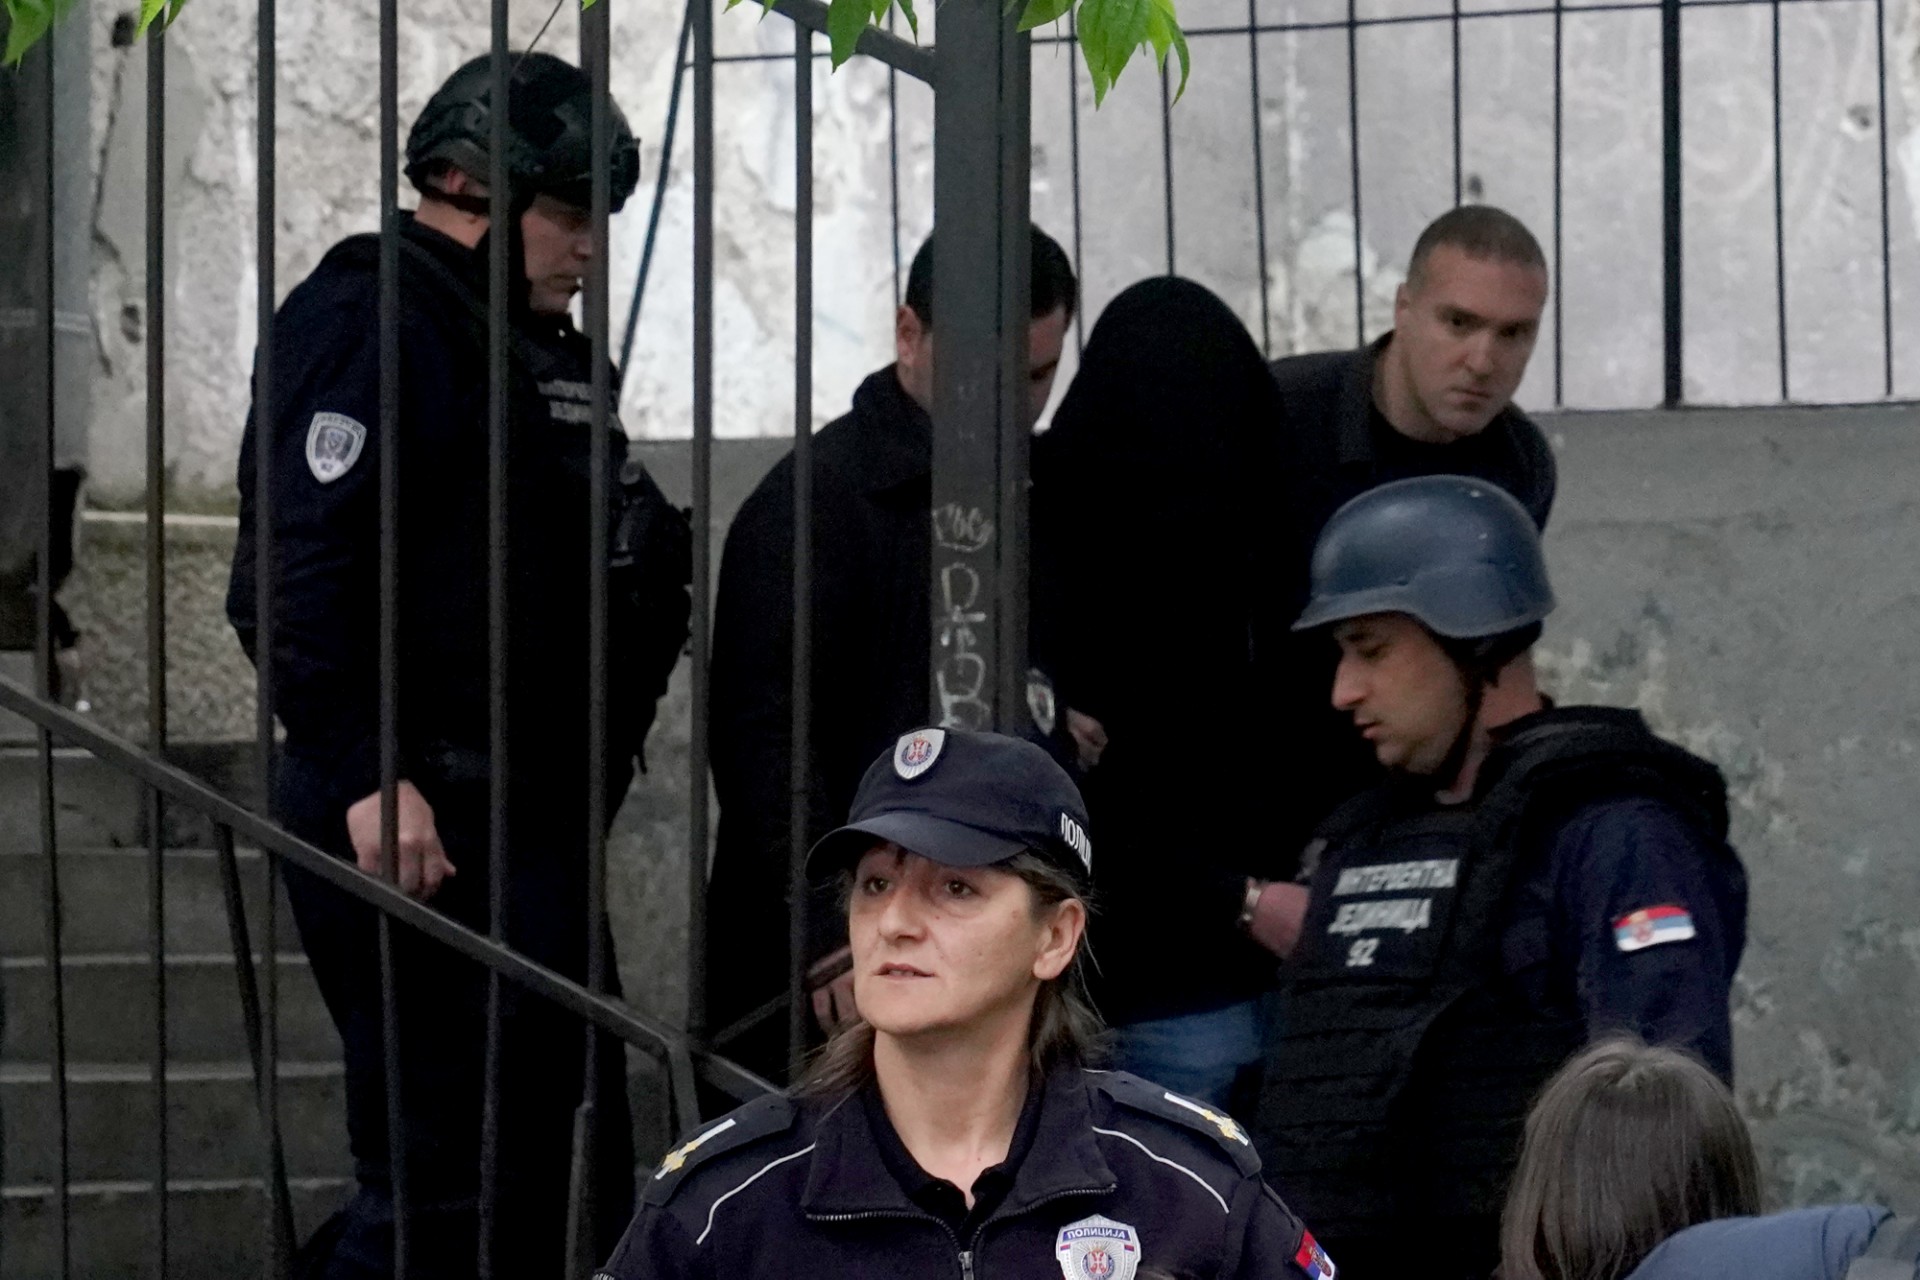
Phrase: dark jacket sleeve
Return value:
(1667, 975)
(325, 551)
(752, 710)
(1264, 1238)
(655, 1247)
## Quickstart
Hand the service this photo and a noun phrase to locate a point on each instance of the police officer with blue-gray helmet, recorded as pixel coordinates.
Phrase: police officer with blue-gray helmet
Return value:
(1528, 878)
(958, 1128)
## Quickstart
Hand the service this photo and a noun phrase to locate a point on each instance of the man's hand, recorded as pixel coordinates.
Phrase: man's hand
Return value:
(833, 1004)
(422, 863)
(1277, 918)
(1089, 737)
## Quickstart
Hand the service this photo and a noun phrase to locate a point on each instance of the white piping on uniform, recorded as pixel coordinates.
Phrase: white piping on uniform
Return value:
(764, 1170)
(1171, 1164)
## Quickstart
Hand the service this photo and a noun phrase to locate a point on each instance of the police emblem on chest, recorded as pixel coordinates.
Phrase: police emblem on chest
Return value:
(334, 442)
(1098, 1248)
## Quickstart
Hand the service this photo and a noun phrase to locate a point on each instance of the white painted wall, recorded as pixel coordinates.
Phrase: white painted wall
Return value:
(328, 165)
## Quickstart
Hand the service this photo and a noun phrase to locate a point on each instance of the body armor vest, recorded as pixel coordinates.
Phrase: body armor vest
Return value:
(1405, 1063)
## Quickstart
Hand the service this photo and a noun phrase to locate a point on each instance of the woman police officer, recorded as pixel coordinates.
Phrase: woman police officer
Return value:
(955, 1128)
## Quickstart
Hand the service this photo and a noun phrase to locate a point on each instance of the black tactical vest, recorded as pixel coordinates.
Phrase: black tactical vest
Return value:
(1404, 1063)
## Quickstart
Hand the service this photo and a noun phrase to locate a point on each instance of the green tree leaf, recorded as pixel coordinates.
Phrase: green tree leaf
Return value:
(846, 19)
(913, 19)
(1041, 12)
(1110, 31)
(1163, 31)
(27, 21)
(149, 10)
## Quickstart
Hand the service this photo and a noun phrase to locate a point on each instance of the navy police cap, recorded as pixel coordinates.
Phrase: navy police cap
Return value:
(964, 799)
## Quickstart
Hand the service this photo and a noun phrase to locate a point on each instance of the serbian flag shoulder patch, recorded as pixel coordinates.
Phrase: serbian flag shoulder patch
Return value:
(1651, 926)
(1312, 1259)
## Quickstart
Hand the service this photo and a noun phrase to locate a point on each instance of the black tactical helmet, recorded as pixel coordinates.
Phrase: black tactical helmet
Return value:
(549, 132)
(1459, 556)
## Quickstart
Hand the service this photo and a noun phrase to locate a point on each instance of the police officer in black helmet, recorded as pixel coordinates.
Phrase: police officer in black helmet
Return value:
(955, 1128)
(1529, 877)
(325, 546)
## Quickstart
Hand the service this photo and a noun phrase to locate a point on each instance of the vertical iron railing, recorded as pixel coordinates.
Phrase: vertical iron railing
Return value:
(1671, 214)
(800, 805)
(389, 642)
(156, 566)
(280, 1225)
(499, 619)
(43, 667)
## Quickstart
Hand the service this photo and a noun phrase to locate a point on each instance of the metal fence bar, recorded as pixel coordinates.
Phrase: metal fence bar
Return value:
(389, 644)
(280, 1227)
(980, 129)
(893, 162)
(43, 674)
(1559, 207)
(1886, 226)
(584, 1203)
(1673, 281)
(264, 1087)
(800, 807)
(1353, 130)
(1166, 160)
(1259, 179)
(1779, 209)
(186, 791)
(659, 186)
(156, 573)
(499, 374)
(1073, 145)
(1015, 444)
(1459, 172)
(699, 749)
(883, 46)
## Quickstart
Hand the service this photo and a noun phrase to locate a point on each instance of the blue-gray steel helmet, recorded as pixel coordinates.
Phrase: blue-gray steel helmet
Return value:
(1460, 556)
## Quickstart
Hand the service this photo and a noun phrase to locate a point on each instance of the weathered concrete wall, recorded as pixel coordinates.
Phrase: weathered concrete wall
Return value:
(1744, 578)
(1747, 581)
(1611, 352)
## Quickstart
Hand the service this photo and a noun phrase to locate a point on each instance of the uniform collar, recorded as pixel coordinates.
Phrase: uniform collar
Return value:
(849, 1173)
(897, 434)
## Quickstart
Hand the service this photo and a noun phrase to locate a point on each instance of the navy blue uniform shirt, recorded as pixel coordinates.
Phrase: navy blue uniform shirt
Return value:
(1636, 920)
(1118, 1175)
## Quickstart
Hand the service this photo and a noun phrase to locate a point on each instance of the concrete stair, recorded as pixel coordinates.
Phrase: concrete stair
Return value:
(217, 1205)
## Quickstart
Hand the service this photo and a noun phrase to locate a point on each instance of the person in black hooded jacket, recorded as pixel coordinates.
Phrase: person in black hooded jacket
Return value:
(1154, 519)
(872, 623)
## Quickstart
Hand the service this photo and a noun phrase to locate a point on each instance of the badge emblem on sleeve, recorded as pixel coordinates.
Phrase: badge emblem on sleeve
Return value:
(1098, 1248)
(916, 752)
(334, 442)
(1313, 1260)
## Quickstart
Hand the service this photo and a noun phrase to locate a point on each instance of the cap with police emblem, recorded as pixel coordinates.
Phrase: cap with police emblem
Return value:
(965, 799)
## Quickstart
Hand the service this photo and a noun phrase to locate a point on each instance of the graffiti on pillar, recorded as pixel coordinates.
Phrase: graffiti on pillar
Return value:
(960, 536)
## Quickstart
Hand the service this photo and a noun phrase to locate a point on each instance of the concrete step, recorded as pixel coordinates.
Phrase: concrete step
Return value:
(213, 1124)
(95, 805)
(217, 1229)
(103, 902)
(109, 1008)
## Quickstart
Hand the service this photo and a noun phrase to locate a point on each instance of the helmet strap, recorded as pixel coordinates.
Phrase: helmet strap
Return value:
(1475, 681)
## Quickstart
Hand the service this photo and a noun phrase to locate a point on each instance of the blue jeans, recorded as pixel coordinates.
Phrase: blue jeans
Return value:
(1201, 1055)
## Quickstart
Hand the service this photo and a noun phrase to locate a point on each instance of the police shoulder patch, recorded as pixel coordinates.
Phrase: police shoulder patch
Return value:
(1144, 1096)
(764, 1118)
(334, 442)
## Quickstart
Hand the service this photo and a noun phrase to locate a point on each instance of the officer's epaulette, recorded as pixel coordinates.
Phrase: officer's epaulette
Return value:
(759, 1119)
(1135, 1094)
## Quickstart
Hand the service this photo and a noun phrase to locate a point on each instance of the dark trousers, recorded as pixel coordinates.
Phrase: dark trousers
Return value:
(442, 1007)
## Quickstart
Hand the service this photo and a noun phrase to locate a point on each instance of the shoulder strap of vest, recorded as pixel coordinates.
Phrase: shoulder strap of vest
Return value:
(1893, 1254)
(760, 1119)
(1578, 753)
(1135, 1094)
